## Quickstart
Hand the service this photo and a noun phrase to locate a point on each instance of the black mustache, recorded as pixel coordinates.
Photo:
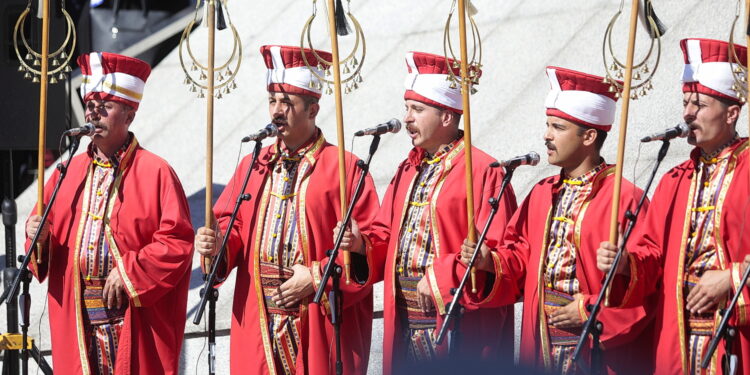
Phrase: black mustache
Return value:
(550, 145)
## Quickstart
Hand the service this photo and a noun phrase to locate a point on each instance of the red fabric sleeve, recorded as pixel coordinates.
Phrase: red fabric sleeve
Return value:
(161, 265)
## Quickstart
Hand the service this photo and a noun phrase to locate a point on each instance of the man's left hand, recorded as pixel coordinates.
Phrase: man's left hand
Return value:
(568, 316)
(299, 286)
(713, 287)
(114, 291)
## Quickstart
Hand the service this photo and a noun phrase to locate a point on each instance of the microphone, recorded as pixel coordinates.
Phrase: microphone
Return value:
(680, 130)
(392, 126)
(86, 129)
(269, 131)
(532, 158)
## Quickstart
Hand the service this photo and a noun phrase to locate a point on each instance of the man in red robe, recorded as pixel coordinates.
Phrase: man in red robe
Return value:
(548, 254)
(117, 245)
(689, 249)
(415, 240)
(279, 242)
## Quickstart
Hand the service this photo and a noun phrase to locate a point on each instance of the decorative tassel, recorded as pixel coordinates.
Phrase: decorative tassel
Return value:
(647, 11)
(471, 9)
(221, 22)
(342, 25)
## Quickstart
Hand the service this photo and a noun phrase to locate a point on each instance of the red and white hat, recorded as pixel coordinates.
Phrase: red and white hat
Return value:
(707, 67)
(287, 71)
(428, 82)
(581, 98)
(109, 76)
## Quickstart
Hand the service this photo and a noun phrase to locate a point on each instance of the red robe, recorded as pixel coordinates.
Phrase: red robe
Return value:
(488, 332)
(657, 258)
(520, 262)
(151, 237)
(318, 209)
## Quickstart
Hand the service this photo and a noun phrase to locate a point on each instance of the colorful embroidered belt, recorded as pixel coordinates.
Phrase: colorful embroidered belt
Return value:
(554, 300)
(94, 305)
(407, 299)
(272, 276)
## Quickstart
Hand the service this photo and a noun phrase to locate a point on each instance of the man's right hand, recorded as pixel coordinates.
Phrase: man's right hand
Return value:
(205, 241)
(32, 225)
(484, 261)
(605, 257)
(352, 239)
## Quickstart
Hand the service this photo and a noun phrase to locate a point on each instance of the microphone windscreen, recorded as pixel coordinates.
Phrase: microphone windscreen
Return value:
(395, 125)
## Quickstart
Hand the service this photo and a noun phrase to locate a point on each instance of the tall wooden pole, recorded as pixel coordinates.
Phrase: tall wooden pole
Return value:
(339, 121)
(613, 224)
(210, 20)
(465, 92)
(43, 79)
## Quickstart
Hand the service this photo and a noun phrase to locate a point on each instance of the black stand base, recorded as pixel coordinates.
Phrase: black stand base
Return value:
(212, 298)
(336, 302)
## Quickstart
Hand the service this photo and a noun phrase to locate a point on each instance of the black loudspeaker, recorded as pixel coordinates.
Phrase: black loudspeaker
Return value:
(19, 97)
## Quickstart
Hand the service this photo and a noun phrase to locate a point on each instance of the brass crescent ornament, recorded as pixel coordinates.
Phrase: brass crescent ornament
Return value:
(642, 73)
(224, 74)
(351, 65)
(739, 71)
(59, 59)
(475, 62)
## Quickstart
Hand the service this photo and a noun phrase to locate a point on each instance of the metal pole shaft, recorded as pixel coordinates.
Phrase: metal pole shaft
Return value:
(335, 66)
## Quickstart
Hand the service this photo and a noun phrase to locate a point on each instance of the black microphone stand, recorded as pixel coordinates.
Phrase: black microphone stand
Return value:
(209, 293)
(727, 333)
(453, 308)
(592, 325)
(333, 270)
(9, 211)
(24, 275)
